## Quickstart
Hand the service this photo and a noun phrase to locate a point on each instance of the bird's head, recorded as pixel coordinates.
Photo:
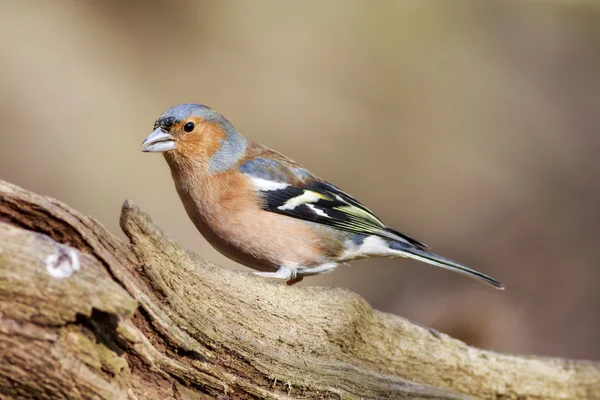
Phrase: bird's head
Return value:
(195, 132)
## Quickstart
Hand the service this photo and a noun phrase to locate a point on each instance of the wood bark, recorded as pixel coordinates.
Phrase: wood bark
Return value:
(84, 315)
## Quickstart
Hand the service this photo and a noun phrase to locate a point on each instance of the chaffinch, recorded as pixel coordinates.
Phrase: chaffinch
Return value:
(267, 212)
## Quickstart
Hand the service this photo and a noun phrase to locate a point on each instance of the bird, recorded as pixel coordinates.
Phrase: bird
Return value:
(264, 210)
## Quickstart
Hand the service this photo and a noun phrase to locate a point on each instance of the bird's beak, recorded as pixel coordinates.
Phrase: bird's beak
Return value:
(158, 141)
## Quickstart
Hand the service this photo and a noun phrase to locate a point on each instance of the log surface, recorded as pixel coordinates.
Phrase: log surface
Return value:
(84, 315)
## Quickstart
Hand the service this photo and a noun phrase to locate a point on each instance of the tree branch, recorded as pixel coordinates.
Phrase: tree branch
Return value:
(70, 327)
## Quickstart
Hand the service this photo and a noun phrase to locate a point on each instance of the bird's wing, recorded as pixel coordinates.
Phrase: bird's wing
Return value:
(284, 187)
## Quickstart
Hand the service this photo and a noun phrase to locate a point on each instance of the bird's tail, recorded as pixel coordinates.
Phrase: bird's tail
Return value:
(409, 251)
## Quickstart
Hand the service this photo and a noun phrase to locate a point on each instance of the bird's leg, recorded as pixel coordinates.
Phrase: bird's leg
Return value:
(285, 273)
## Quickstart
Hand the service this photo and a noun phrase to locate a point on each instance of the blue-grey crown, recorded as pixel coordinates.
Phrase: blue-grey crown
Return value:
(180, 112)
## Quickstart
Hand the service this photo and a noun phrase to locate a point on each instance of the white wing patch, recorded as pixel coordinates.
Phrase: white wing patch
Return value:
(266, 185)
(306, 197)
(317, 211)
(371, 246)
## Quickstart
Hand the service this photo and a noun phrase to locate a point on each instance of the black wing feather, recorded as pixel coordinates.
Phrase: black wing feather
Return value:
(336, 209)
(324, 203)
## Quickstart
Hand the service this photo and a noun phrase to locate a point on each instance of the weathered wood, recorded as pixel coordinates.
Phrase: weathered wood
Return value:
(70, 327)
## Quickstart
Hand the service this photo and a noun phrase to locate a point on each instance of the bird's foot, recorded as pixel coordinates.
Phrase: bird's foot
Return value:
(284, 273)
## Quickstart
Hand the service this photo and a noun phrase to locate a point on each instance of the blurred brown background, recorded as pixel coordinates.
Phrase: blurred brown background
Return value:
(472, 126)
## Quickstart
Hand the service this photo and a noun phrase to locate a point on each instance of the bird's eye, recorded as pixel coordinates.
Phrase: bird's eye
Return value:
(189, 127)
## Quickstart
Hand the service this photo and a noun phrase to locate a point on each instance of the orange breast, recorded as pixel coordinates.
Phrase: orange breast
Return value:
(226, 210)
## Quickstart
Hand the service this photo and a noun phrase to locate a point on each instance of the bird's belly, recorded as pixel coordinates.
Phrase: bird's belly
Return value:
(272, 240)
(229, 247)
(260, 239)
